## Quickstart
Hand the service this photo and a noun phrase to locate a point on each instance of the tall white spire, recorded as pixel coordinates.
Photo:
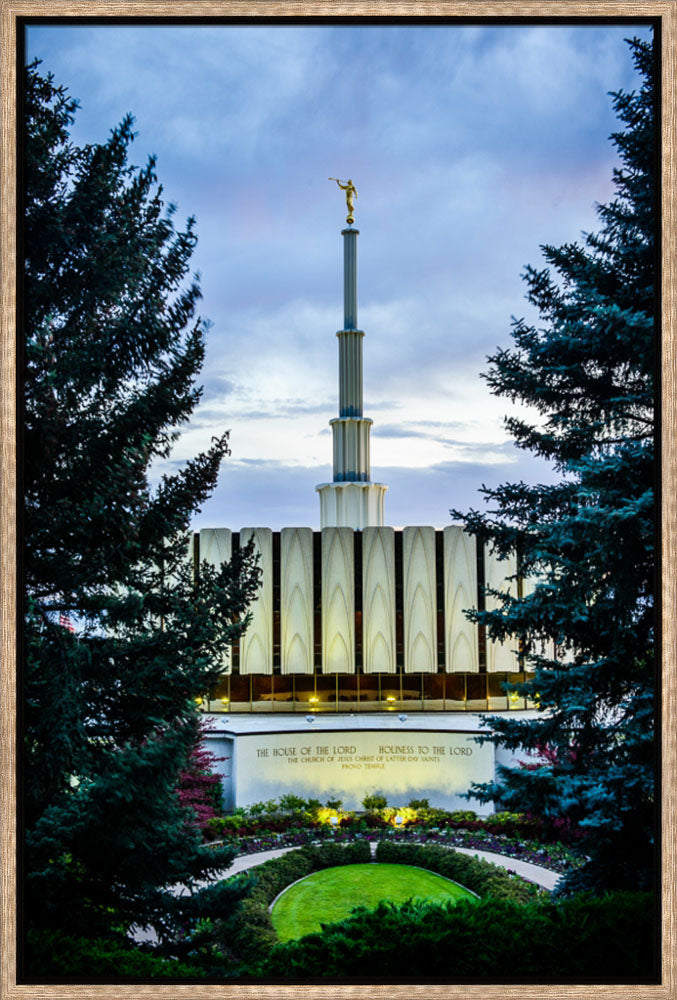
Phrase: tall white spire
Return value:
(351, 500)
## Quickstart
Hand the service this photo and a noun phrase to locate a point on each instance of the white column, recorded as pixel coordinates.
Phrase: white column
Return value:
(338, 601)
(378, 600)
(216, 549)
(460, 593)
(501, 655)
(256, 645)
(216, 546)
(419, 600)
(296, 601)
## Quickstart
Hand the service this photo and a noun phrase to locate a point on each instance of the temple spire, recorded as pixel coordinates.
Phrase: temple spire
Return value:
(351, 500)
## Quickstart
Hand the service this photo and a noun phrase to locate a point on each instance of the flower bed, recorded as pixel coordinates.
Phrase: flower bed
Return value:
(555, 857)
(293, 822)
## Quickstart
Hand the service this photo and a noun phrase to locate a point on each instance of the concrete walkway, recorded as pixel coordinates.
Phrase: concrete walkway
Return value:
(534, 873)
(544, 877)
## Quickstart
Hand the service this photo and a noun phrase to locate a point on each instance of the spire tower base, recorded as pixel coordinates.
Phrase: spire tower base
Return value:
(352, 505)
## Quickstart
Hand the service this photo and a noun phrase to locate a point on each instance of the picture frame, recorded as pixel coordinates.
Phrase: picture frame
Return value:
(12, 16)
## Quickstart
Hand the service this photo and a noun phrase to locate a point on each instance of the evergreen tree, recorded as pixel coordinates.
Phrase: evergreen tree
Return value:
(587, 543)
(112, 351)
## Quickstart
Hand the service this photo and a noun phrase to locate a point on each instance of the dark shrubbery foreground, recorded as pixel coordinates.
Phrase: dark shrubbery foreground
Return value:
(53, 955)
(513, 933)
(584, 939)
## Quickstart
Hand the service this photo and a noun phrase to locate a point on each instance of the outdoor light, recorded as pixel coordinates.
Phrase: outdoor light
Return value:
(224, 701)
(399, 820)
(310, 718)
(333, 820)
(313, 699)
(402, 718)
(391, 697)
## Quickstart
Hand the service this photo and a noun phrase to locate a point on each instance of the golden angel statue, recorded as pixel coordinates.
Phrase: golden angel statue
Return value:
(351, 194)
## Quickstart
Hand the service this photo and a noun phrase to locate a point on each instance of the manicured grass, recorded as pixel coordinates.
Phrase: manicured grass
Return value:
(327, 896)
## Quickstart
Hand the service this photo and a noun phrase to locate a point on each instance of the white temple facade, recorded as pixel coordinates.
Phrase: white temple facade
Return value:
(359, 633)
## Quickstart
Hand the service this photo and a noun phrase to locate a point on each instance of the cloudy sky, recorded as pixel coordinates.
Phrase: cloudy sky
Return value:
(470, 146)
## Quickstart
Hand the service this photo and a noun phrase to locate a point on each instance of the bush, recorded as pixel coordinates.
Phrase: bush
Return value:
(291, 803)
(462, 816)
(259, 808)
(332, 855)
(53, 955)
(479, 876)
(495, 940)
(295, 804)
(376, 800)
(373, 821)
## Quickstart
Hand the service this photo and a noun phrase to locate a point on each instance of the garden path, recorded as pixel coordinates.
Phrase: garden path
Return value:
(535, 873)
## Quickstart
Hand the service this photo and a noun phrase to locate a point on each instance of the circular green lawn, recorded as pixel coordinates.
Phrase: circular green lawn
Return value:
(329, 895)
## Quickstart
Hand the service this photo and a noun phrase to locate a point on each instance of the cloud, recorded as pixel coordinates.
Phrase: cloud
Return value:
(273, 494)
(470, 145)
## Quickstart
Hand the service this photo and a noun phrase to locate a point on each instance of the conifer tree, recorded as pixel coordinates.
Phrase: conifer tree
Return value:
(121, 640)
(587, 543)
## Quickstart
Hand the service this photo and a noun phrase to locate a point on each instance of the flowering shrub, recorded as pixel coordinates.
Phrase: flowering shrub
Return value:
(200, 788)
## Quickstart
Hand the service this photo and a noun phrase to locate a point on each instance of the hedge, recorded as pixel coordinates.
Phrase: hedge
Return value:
(254, 935)
(580, 940)
(481, 877)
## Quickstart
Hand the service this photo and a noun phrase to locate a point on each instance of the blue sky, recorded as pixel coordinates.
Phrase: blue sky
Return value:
(470, 146)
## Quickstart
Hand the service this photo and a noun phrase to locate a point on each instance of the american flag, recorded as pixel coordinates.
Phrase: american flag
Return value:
(65, 622)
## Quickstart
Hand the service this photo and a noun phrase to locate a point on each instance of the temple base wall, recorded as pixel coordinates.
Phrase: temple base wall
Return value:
(341, 757)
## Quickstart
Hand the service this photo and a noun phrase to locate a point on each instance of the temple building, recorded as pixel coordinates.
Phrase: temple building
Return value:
(360, 671)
